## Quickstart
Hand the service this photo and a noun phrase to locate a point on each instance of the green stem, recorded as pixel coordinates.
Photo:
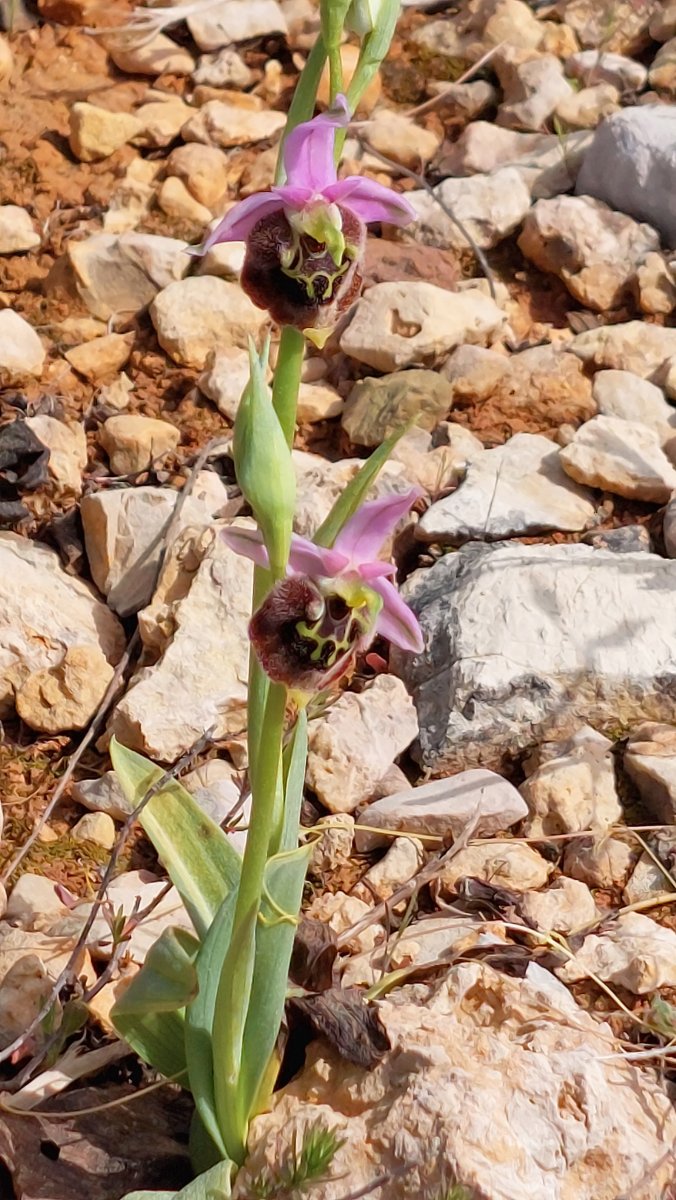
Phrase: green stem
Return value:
(286, 383)
(234, 989)
(302, 106)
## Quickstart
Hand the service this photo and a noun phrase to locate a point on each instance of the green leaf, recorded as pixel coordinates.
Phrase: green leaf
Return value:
(157, 1038)
(356, 491)
(168, 978)
(275, 932)
(201, 861)
(214, 1184)
(263, 464)
(200, 1019)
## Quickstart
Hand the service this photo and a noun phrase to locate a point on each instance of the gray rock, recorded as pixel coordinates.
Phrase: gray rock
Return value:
(445, 808)
(626, 539)
(632, 166)
(523, 641)
(376, 407)
(519, 488)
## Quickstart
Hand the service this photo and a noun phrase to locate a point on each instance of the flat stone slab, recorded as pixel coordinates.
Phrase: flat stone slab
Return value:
(524, 643)
(518, 488)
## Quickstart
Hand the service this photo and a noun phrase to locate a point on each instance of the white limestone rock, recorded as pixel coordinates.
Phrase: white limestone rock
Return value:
(224, 379)
(219, 123)
(593, 66)
(67, 444)
(650, 761)
(546, 163)
(587, 107)
(402, 861)
(519, 488)
(570, 786)
(203, 169)
(44, 612)
(636, 346)
(413, 324)
(634, 952)
(204, 646)
(195, 316)
(596, 252)
(96, 133)
(444, 808)
(505, 864)
(527, 642)
(231, 21)
(485, 1065)
(17, 232)
(600, 862)
(627, 396)
(567, 906)
(122, 273)
(134, 442)
(21, 351)
(67, 695)
(95, 827)
(152, 57)
(400, 138)
(533, 86)
(351, 747)
(623, 457)
(124, 530)
(490, 207)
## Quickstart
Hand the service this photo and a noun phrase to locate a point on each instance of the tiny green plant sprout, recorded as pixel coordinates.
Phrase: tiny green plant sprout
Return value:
(207, 1007)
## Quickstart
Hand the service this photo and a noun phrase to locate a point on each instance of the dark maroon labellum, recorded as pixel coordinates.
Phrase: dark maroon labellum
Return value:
(295, 278)
(305, 639)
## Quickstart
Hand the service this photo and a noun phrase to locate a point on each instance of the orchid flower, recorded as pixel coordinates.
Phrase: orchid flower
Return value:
(305, 238)
(334, 601)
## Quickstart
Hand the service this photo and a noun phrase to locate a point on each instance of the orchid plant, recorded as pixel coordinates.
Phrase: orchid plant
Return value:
(207, 1006)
